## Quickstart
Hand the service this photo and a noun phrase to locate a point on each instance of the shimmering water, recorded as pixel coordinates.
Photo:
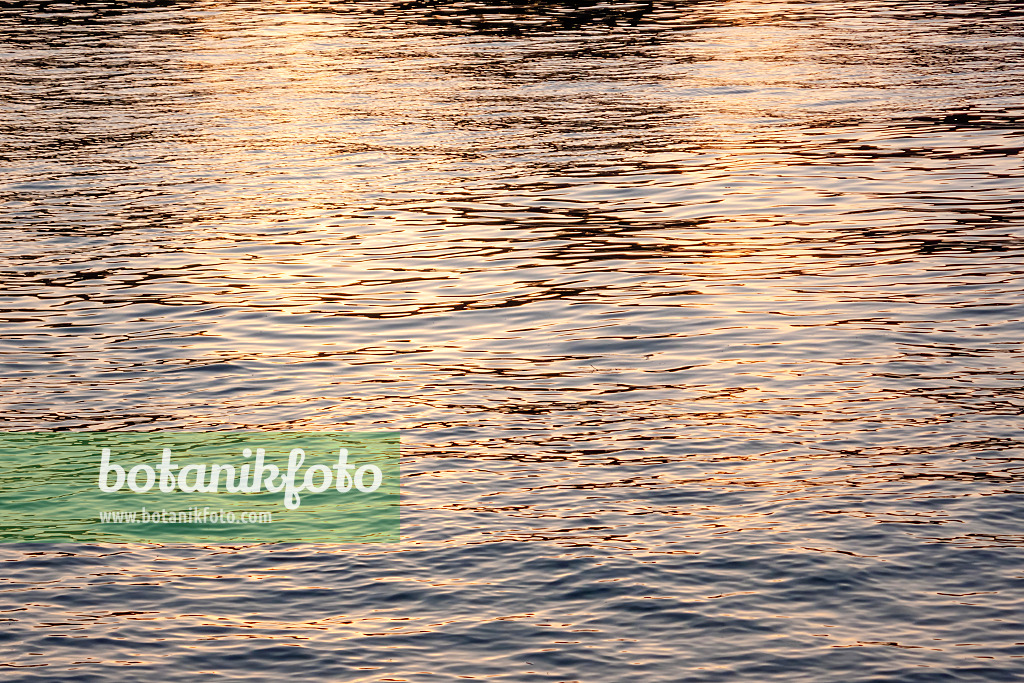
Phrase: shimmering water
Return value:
(702, 322)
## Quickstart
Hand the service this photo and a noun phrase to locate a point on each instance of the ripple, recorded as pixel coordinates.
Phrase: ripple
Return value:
(701, 322)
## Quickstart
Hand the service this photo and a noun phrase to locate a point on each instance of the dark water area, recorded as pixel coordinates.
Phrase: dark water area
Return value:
(702, 322)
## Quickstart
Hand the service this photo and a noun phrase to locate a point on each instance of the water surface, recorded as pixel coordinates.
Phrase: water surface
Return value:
(702, 322)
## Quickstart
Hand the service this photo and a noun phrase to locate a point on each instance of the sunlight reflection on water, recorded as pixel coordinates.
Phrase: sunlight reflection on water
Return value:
(701, 320)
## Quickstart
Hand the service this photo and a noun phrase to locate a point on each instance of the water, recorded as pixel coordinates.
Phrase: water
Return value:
(701, 320)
